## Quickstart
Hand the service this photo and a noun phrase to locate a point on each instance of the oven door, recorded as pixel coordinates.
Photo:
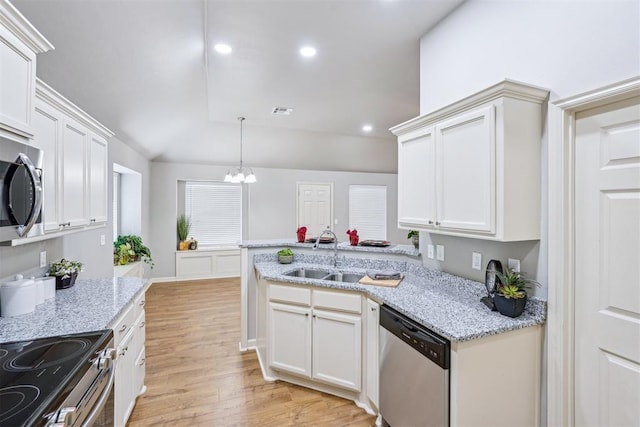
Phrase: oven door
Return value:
(20, 191)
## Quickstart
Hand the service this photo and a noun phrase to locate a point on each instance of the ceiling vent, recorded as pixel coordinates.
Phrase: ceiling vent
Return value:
(282, 111)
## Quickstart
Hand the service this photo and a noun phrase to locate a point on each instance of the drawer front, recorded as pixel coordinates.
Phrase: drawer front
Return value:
(138, 305)
(123, 326)
(290, 294)
(351, 303)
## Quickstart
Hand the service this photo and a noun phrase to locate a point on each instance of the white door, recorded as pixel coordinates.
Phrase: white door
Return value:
(315, 207)
(465, 172)
(337, 354)
(289, 338)
(607, 266)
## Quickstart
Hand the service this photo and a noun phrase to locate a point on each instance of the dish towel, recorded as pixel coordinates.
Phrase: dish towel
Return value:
(384, 275)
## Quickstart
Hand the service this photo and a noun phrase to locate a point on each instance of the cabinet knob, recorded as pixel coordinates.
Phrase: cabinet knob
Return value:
(306, 314)
(142, 362)
(429, 222)
(93, 220)
(142, 303)
(65, 224)
(373, 309)
(123, 328)
(142, 324)
(437, 223)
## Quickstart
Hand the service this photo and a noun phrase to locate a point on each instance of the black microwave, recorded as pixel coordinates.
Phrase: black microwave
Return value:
(20, 190)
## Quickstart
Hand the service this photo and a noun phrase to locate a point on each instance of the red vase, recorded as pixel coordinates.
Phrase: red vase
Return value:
(354, 240)
(301, 236)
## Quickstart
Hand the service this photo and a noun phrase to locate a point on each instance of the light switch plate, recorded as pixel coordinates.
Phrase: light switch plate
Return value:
(513, 264)
(43, 259)
(476, 261)
(440, 252)
(102, 240)
(430, 251)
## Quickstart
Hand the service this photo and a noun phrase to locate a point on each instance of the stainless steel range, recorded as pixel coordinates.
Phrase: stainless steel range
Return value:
(58, 381)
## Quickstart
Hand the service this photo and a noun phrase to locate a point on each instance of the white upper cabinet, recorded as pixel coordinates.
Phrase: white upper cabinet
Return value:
(75, 162)
(472, 169)
(19, 44)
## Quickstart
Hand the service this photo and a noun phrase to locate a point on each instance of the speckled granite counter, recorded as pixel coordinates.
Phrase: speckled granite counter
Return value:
(89, 305)
(342, 246)
(447, 304)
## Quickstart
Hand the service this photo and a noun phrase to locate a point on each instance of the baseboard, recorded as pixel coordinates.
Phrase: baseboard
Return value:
(263, 368)
(251, 345)
(153, 280)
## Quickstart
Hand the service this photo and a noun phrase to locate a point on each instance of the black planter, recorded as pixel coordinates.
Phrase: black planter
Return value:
(512, 307)
(66, 283)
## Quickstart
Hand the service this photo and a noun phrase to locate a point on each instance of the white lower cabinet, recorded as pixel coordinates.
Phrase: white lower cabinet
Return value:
(129, 337)
(316, 334)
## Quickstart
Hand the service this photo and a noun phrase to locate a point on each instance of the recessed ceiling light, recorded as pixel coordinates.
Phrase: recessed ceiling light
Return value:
(367, 128)
(308, 51)
(222, 48)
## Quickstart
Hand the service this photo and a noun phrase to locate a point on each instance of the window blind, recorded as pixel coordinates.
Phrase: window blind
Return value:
(368, 211)
(215, 210)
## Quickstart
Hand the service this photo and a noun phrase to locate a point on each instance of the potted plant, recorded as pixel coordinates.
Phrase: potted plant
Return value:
(511, 295)
(184, 226)
(415, 237)
(65, 272)
(137, 249)
(285, 256)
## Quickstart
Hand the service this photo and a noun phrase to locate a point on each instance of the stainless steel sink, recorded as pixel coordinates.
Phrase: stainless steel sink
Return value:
(312, 273)
(345, 277)
(308, 273)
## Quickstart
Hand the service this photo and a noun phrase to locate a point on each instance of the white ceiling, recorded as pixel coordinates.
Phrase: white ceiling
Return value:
(139, 67)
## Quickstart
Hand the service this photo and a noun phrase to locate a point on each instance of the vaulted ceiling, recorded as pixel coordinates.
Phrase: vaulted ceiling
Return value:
(147, 70)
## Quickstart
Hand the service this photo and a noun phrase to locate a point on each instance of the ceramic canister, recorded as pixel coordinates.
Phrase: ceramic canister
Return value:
(48, 286)
(17, 297)
(39, 291)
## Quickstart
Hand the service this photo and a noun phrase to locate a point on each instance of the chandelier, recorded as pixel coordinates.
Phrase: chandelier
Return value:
(241, 174)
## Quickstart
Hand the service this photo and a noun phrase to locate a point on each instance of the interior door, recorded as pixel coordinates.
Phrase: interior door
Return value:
(607, 266)
(315, 207)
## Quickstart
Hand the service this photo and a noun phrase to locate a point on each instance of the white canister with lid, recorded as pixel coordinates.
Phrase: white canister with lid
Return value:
(17, 297)
(48, 286)
(39, 291)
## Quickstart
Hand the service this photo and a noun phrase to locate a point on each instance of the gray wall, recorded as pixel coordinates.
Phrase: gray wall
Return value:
(269, 206)
(565, 47)
(83, 246)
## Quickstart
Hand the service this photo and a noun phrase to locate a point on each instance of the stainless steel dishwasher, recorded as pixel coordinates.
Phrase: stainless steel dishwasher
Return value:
(414, 373)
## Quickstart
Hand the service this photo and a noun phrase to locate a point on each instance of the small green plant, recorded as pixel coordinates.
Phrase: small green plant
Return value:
(412, 234)
(64, 268)
(285, 252)
(184, 226)
(513, 284)
(136, 246)
(125, 253)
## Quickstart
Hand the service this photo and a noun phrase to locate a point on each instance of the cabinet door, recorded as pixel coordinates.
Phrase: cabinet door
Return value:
(124, 399)
(465, 172)
(139, 374)
(373, 327)
(74, 174)
(337, 354)
(17, 85)
(289, 339)
(416, 180)
(97, 179)
(47, 126)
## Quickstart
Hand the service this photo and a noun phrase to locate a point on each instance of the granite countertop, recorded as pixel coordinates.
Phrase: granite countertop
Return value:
(90, 305)
(342, 246)
(447, 304)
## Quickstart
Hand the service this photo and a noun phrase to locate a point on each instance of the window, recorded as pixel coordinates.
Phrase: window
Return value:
(215, 209)
(368, 211)
(116, 205)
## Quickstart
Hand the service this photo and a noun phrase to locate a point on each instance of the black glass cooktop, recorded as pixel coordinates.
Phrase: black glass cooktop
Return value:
(35, 376)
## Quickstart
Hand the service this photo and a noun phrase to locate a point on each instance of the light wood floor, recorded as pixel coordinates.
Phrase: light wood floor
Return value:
(196, 375)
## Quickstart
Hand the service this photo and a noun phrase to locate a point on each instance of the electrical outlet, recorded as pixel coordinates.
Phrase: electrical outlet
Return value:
(102, 240)
(513, 264)
(43, 259)
(440, 252)
(430, 251)
(476, 261)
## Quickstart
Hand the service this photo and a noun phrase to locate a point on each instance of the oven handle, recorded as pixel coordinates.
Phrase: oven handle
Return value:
(36, 184)
(103, 398)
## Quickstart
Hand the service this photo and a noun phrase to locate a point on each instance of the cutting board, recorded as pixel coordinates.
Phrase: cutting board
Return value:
(366, 280)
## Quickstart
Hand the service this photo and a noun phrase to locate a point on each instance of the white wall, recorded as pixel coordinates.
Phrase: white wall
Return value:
(566, 46)
(269, 205)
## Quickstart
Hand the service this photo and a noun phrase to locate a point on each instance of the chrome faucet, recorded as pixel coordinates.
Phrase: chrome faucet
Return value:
(335, 244)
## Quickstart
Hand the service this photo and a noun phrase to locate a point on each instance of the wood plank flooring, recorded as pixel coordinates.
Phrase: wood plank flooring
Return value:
(196, 376)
